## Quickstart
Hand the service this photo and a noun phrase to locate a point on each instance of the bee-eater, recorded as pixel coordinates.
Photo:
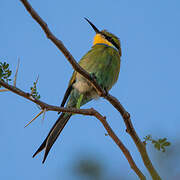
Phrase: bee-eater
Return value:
(103, 63)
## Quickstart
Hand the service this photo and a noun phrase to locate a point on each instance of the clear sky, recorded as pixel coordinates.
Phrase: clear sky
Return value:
(148, 85)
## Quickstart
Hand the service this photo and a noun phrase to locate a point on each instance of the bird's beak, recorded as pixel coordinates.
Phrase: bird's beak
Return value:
(93, 26)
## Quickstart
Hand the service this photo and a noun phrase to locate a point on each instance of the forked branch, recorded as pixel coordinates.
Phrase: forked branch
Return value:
(90, 112)
(126, 117)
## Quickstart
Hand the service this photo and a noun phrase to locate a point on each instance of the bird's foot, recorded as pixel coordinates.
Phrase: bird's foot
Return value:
(105, 89)
(93, 76)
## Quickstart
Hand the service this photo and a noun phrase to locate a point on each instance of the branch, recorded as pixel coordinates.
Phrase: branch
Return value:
(130, 129)
(91, 112)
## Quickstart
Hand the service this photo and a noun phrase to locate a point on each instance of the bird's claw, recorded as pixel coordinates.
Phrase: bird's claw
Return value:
(93, 76)
(104, 89)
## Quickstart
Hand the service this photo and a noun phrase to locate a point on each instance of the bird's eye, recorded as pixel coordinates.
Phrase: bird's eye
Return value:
(109, 38)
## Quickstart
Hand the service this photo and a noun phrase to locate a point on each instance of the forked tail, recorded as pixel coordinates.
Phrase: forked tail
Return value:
(53, 134)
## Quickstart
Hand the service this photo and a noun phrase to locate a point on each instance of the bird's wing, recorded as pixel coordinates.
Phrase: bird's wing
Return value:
(69, 89)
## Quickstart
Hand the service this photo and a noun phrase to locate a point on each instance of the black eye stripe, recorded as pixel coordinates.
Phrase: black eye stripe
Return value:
(110, 40)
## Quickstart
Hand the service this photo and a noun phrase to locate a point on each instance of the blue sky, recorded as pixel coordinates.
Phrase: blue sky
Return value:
(148, 85)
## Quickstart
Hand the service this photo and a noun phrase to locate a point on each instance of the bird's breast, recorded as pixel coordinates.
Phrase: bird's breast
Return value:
(84, 87)
(81, 84)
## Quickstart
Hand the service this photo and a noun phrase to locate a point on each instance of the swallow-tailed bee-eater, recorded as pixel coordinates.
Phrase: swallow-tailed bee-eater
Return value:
(102, 61)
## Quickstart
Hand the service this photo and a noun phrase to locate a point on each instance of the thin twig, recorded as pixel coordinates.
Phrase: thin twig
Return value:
(34, 118)
(3, 90)
(17, 68)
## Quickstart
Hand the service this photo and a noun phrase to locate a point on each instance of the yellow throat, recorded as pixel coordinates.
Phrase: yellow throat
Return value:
(98, 38)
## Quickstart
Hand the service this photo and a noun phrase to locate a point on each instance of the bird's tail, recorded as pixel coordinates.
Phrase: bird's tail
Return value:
(61, 122)
(53, 134)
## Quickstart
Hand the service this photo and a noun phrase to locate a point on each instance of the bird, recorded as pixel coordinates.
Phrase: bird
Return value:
(102, 62)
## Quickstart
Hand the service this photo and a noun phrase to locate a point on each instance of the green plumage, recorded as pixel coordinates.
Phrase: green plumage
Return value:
(103, 63)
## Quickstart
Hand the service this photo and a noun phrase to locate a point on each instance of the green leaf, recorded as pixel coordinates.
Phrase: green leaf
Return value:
(6, 66)
(1, 73)
(157, 146)
(163, 149)
(162, 140)
(34, 92)
(166, 144)
(5, 72)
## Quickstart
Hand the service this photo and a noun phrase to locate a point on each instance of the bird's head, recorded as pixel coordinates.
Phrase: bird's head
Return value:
(105, 37)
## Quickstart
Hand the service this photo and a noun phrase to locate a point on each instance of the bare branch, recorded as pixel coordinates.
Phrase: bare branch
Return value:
(91, 112)
(61, 47)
